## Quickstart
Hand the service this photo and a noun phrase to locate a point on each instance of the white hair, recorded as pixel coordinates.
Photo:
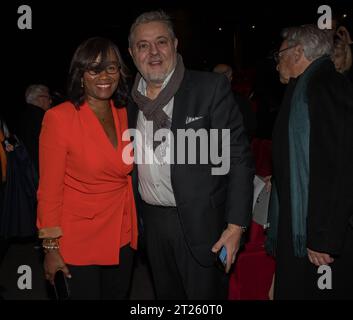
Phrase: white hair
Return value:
(316, 42)
(33, 91)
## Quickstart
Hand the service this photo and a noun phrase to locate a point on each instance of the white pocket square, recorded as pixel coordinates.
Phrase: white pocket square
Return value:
(192, 119)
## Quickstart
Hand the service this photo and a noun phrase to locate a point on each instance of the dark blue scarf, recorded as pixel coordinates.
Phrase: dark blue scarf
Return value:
(299, 139)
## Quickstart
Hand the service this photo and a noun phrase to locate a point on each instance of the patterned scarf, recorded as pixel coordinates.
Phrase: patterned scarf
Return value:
(153, 109)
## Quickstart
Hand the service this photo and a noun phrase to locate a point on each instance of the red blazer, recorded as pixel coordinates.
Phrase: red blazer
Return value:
(85, 192)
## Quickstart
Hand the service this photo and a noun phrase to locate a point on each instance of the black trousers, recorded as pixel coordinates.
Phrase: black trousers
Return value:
(4, 243)
(4, 246)
(102, 282)
(297, 278)
(176, 274)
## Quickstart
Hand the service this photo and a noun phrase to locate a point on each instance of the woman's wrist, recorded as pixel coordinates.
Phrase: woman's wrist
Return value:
(50, 244)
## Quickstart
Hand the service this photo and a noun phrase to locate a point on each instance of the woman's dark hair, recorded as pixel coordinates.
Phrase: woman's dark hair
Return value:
(86, 54)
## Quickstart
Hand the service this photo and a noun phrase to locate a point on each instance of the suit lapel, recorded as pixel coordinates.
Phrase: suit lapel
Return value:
(181, 105)
(132, 113)
(180, 109)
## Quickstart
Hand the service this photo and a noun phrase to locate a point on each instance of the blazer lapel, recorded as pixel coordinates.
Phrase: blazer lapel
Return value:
(96, 133)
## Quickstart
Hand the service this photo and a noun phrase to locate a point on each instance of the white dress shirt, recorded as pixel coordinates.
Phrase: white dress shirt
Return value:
(154, 173)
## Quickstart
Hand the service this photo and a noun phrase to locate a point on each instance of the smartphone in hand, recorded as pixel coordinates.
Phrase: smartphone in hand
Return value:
(61, 286)
(222, 258)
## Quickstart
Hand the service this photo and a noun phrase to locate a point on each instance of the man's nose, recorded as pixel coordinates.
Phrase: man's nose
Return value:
(153, 49)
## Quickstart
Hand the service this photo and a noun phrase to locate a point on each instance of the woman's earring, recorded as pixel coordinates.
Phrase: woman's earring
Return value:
(81, 82)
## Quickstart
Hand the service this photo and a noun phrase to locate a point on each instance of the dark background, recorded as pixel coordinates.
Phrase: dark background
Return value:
(240, 33)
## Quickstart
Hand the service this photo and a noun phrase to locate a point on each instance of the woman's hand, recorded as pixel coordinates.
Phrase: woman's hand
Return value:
(53, 262)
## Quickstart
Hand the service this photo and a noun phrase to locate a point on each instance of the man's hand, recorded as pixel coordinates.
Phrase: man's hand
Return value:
(9, 147)
(268, 184)
(230, 238)
(319, 258)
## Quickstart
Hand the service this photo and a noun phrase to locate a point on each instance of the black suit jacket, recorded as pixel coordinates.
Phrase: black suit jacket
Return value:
(206, 202)
(30, 124)
(330, 99)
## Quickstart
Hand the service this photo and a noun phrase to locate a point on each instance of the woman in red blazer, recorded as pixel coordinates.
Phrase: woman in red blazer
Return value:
(86, 211)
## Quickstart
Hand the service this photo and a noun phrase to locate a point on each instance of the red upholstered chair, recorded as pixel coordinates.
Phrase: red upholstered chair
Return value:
(262, 152)
(252, 273)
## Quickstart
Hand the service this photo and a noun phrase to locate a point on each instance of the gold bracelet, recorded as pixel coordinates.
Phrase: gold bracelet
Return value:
(50, 244)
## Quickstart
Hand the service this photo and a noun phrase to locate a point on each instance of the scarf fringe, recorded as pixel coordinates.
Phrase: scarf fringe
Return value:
(299, 243)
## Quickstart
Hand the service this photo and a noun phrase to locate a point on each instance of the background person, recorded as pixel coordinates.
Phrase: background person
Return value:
(311, 199)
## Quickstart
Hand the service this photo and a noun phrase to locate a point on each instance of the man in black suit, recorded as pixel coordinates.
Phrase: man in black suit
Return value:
(38, 100)
(311, 200)
(189, 211)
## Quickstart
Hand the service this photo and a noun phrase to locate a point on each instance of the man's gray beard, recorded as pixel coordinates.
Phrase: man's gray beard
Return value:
(156, 79)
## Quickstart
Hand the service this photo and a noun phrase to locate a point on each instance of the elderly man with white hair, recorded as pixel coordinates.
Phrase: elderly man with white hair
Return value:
(38, 101)
(38, 95)
(311, 229)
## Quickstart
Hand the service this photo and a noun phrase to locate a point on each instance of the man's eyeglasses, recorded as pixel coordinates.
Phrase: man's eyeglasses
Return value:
(277, 55)
(96, 68)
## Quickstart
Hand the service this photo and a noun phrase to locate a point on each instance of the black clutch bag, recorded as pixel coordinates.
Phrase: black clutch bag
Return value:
(61, 286)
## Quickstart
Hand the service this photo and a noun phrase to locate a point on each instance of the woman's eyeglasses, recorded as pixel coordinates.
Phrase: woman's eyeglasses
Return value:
(109, 67)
